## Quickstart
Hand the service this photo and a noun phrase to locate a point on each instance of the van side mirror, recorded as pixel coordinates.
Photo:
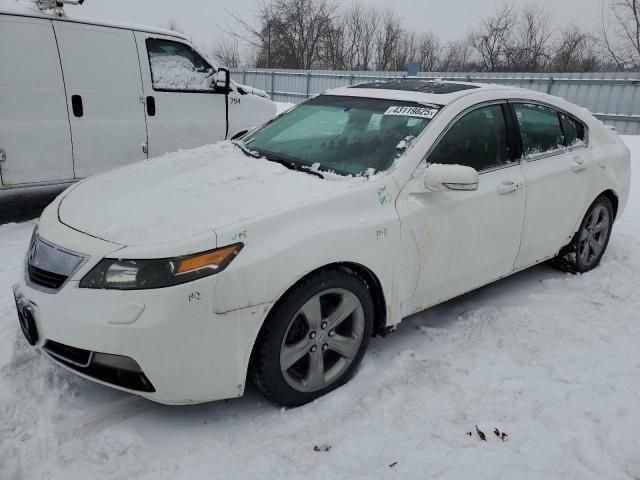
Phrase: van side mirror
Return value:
(440, 178)
(222, 80)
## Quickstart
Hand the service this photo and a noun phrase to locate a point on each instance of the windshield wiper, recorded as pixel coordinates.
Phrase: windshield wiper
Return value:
(288, 162)
(293, 165)
(244, 149)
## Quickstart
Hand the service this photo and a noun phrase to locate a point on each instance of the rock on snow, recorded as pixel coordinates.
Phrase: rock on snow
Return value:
(551, 359)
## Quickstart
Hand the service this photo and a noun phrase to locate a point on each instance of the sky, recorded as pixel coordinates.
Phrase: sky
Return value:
(203, 20)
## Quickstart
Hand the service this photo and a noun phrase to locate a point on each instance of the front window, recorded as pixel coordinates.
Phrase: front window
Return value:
(177, 67)
(346, 135)
(478, 140)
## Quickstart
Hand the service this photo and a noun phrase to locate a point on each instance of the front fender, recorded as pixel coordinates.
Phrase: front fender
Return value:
(358, 226)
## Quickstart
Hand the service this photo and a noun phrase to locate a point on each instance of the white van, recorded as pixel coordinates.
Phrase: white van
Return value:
(79, 97)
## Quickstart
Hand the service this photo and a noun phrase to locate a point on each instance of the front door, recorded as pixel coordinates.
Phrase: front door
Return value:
(183, 108)
(466, 239)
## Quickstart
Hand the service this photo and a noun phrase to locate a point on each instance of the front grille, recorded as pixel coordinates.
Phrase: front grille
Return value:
(76, 356)
(48, 265)
(46, 279)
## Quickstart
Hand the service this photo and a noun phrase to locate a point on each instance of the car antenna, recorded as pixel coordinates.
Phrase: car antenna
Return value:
(56, 6)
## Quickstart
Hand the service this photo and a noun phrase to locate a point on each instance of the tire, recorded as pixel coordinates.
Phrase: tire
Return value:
(590, 242)
(314, 339)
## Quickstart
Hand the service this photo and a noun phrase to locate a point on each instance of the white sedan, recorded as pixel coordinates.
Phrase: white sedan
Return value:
(277, 256)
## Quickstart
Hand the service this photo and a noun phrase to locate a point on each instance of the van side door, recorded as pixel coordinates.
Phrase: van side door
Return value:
(104, 96)
(35, 141)
(184, 110)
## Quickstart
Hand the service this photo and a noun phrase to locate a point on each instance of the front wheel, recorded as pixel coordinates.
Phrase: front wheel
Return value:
(590, 242)
(314, 339)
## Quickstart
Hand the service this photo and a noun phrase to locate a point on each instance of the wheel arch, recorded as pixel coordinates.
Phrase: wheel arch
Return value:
(613, 197)
(369, 278)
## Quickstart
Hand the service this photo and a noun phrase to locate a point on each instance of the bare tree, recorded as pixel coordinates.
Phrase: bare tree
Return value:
(493, 37)
(227, 53)
(388, 38)
(288, 33)
(429, 52)
(530, 49)
(360, 26)
(574, 51)
(621, 32)
(456, 56)
(404, 52)
(304, 34)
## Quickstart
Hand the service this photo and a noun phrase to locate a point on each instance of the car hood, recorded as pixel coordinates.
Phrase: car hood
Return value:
(187, 194)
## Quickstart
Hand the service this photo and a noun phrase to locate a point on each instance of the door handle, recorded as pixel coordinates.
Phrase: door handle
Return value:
(3, 155)
(577, 165)
(151, 106)
(76, 106)
(508, 187)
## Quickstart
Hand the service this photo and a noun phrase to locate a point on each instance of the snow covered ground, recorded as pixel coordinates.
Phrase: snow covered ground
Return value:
(551, 359)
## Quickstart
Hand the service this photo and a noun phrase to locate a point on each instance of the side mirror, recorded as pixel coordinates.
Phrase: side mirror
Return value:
(440, 178)
(222, 79)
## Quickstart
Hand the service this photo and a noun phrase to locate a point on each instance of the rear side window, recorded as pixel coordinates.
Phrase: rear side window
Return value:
(540, 128)
(573, 131)
(177, 67)
(478, 140)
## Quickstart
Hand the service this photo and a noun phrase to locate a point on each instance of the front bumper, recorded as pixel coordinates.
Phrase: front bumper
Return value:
(188, 353)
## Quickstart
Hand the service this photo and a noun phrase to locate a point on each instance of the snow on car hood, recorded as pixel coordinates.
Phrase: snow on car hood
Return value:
(186, 194)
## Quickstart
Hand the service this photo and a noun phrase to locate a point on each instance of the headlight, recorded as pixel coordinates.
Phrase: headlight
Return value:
(121, 274)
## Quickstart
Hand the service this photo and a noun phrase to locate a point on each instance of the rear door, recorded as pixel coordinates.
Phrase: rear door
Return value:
(104, 96)
(35, 141)
(555, 166)
(183, 108)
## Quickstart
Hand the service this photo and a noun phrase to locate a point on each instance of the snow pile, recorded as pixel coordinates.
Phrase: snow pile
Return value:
(174, 72)
(548, 358)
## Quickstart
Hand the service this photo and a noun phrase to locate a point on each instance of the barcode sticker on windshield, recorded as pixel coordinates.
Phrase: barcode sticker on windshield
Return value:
(420, 112)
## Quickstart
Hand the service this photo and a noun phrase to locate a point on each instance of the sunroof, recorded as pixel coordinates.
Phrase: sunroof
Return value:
(418, 85)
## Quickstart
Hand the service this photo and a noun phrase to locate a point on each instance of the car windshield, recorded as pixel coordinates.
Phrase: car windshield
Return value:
(346, 135)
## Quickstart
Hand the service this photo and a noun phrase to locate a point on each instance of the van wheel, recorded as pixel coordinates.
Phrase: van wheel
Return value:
(590, 242)
(314, 339)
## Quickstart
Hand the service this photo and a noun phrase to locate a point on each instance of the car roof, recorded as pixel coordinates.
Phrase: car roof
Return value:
(419, 90)
(30, 9)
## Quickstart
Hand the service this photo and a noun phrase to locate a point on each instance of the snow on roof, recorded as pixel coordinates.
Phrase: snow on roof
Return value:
(453, 92)
(28, 8)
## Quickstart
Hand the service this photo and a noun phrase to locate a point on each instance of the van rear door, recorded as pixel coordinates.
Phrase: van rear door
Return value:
(35, 142)
(104, 96)
(183, 108)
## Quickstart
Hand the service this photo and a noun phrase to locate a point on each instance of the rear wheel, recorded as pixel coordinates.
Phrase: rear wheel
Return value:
(590, 242)
(314, 339)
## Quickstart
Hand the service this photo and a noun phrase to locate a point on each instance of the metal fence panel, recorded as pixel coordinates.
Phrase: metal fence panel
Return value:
(612, 96)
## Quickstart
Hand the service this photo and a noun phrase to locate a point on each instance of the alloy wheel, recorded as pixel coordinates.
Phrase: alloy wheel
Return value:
(594, 235)
(322, 340)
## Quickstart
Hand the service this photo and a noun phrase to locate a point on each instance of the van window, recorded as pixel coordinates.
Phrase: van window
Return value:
(540, 128)
(177, 67)
(478, 140)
